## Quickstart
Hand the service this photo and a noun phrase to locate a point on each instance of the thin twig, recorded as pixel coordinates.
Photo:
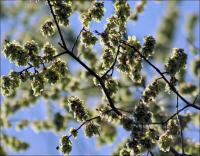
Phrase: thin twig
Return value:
(76, 40)
(26, 69)
(177, 112)
(113, 65)
(181, 130)
(88, 120)
(151, 153)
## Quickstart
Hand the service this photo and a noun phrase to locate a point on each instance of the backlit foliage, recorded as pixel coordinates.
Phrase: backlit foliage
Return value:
(114, 74)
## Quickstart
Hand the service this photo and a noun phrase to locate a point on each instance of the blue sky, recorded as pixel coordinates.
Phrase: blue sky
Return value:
(45, 142)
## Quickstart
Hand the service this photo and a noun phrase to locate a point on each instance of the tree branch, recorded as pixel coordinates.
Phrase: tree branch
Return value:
(57, 25)
(162, 75)
(181, 131)
(86, 121)
(76, 40)
(82, 63)
(179, 111)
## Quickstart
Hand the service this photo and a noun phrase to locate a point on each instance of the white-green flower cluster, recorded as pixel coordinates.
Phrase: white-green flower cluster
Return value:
(73, 132)
(65, 145)
(31, 47)
(142, 114)
(129, 62)
(153, 134)
(124, 152)
(142, 138)
(122, 10)
(92, 129)
(95, 13)
(166, 30)
(14, 143)
(138, 9)
(111, 85)
(37, 83)
(10, 83)
(111, 33)
(173, 127)
(55, 72)
(48, 28)
(76, 107)
(87, 38)
(61, 67)
(58, 121)
(191, 23)
(151, 91)
(21, 56)
(44, 70)
(108, 58)
(128, 147)
(63, 11)
(115, 26)
(22, 124)
(187, 88)
(137, 131)
(87, 53)
(50, 75)
(39, 125)
(176, 62)
(16, 53)
(148, 46)
(107, 114)
(49, 51)
(132, 146)
(196, 67)
(165, 141)
(127, 123)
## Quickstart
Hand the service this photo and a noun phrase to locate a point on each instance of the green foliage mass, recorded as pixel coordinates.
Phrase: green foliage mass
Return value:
(116, 75)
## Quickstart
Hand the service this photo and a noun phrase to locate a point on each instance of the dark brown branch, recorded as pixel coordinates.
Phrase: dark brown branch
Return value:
(82, 63)
(26, 69)
(163, 76)
(86, 121)
(172, 116)
(179, 111)
(57, 25)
